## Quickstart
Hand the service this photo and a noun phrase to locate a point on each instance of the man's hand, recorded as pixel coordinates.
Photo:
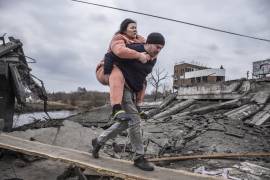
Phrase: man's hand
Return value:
(144, 57)
(142, 114)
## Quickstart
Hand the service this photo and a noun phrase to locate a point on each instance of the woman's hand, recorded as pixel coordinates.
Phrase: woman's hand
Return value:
(106, 78)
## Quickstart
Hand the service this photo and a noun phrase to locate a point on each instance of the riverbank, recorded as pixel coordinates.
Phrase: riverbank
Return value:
(28, 118)
(39, 107)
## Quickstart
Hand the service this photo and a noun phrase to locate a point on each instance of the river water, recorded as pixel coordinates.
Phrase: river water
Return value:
(21, 119)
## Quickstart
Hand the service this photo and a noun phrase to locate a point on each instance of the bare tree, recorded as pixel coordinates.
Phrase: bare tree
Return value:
(165, 89)
(155, 78)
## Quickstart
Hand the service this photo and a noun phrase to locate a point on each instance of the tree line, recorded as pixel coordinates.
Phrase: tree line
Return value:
(80, 98)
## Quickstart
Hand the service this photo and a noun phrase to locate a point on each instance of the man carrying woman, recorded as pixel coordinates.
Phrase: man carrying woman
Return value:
(133, 72)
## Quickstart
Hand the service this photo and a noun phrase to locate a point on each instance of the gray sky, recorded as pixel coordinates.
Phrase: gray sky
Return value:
(68, 39)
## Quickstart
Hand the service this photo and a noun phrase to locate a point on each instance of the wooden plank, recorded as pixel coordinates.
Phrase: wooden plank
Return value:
(212, 156)
(103, 165)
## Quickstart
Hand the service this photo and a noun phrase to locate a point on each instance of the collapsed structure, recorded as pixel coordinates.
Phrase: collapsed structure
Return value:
(219, 129)
(15, 77)
(230, 120)
(225, 136)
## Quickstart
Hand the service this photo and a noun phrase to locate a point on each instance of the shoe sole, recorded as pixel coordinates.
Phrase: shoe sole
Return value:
(144, 169)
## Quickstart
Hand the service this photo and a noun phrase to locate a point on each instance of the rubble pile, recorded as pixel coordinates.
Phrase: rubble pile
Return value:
(196, 127)
(182, 127)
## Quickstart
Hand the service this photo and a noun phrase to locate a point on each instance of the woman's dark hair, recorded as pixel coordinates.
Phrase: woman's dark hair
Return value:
(124, 24)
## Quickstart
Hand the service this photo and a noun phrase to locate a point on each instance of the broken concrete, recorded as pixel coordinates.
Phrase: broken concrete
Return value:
(175, 109)
(70, 135)
(254, 169)
(243, 112)
(225, 105)
(261, 97)
(200, 128)
(162, 106)
(220, 90)
(260, 117)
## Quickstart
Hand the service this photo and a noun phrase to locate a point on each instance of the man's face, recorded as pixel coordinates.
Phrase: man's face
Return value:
(154, 49)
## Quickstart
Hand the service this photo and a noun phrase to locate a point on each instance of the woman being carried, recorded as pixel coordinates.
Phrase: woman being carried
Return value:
(111, 75)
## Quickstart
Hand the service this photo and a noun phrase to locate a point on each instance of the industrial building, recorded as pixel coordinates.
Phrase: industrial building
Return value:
(187, 74)
(261, 69)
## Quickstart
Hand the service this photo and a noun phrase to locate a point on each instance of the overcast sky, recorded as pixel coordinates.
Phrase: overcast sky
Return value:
(68, 39)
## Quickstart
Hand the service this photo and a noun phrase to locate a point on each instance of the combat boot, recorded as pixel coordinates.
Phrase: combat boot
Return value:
(96, 148)
(143, 164)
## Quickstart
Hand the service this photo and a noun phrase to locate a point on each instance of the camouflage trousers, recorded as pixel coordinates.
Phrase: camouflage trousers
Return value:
(133, 126)
(1, 124)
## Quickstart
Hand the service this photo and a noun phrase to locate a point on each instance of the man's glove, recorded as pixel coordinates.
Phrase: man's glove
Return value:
(142, 114)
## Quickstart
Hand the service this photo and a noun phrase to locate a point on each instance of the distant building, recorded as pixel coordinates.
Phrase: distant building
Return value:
(186, 74)
(261, 68)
